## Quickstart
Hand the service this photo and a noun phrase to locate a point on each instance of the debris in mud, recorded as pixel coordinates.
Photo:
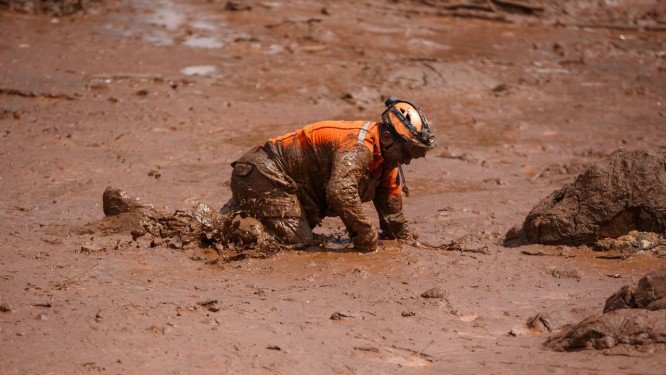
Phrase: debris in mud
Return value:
(434, 293)
(340, 315)
(632, 327)
(634, 240)
(34, 94)
(650, 293)
(598, 14)
(54, 7)
(613, 256)
(90, 248)
(236, 6)
(534, 252)
(116, 201)
(623, 193)
(633, 316)
(234, 236)
(210, 305)
(565, 274)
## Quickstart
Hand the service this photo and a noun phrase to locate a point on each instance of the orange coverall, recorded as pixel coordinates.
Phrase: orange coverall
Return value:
(324, 169)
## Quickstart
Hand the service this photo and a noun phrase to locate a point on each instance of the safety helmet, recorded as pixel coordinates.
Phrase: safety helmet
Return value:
(408, 123)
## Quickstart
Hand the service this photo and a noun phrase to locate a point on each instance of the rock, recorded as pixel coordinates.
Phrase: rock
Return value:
(136, 233)
(651, 289)
(116, 201)
(407, 314)
(625, 326)
(434, 293)
(5, 307)
(605, 201)
(623, 299)
(633, 316)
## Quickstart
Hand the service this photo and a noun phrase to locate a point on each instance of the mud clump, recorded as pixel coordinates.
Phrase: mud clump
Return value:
(53, 7)
(234, 236)
(625, 192)
(436, 293)
(632, 316)
(116, 201)
(650, 293)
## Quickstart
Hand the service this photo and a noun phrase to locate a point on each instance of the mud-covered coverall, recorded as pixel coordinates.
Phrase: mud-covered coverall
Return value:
(324, 169)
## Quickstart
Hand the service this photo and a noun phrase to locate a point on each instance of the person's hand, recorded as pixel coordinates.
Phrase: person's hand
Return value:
(365, 242)
(404, 233)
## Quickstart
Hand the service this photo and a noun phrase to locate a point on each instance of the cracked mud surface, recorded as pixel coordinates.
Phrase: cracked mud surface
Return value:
(158, 97)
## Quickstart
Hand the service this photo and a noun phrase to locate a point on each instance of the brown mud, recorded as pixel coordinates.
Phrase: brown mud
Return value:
(159, 97)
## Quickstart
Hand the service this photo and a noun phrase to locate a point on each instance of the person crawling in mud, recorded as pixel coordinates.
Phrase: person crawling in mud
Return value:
(329, 168)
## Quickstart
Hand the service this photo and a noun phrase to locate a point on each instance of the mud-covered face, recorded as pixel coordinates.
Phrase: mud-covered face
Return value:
(396, 153)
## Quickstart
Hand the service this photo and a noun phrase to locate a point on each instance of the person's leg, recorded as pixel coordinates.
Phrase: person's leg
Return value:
(279, 211)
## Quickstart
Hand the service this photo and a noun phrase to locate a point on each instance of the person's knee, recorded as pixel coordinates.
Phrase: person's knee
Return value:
(290, 230)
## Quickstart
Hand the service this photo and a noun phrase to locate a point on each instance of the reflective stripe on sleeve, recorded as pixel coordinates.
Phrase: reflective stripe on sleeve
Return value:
(363, 132)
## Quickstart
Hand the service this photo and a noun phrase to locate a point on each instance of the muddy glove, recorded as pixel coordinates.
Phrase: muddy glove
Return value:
(399, 232)
(391, 219)
(365, 242)
(343, 198)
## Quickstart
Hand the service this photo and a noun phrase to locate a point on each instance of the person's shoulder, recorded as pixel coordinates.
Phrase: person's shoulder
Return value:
(338, 124)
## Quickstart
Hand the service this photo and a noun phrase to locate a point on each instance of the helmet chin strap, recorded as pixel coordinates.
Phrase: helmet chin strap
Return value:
(403, 182)
(396, 141)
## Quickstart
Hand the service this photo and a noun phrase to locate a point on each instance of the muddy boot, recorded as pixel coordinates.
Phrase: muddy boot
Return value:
(244, 230)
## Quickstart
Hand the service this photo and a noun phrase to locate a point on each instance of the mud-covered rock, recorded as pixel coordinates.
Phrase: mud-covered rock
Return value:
(625, 326)
(625, 192)
(633, 315)
(54, 7)
(650, 293)
(116, 201)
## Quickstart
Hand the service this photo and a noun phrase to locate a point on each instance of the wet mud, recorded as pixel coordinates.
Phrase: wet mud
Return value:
(158, 98)
(626, 192)
(53, 7)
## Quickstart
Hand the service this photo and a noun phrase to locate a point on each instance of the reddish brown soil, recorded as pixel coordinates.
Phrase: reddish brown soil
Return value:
(100, 99)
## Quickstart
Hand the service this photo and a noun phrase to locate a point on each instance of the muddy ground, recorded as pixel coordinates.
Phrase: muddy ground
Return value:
(158, 97)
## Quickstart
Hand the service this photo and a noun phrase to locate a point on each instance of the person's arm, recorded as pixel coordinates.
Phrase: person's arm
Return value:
(388, 203)
(343, 197)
